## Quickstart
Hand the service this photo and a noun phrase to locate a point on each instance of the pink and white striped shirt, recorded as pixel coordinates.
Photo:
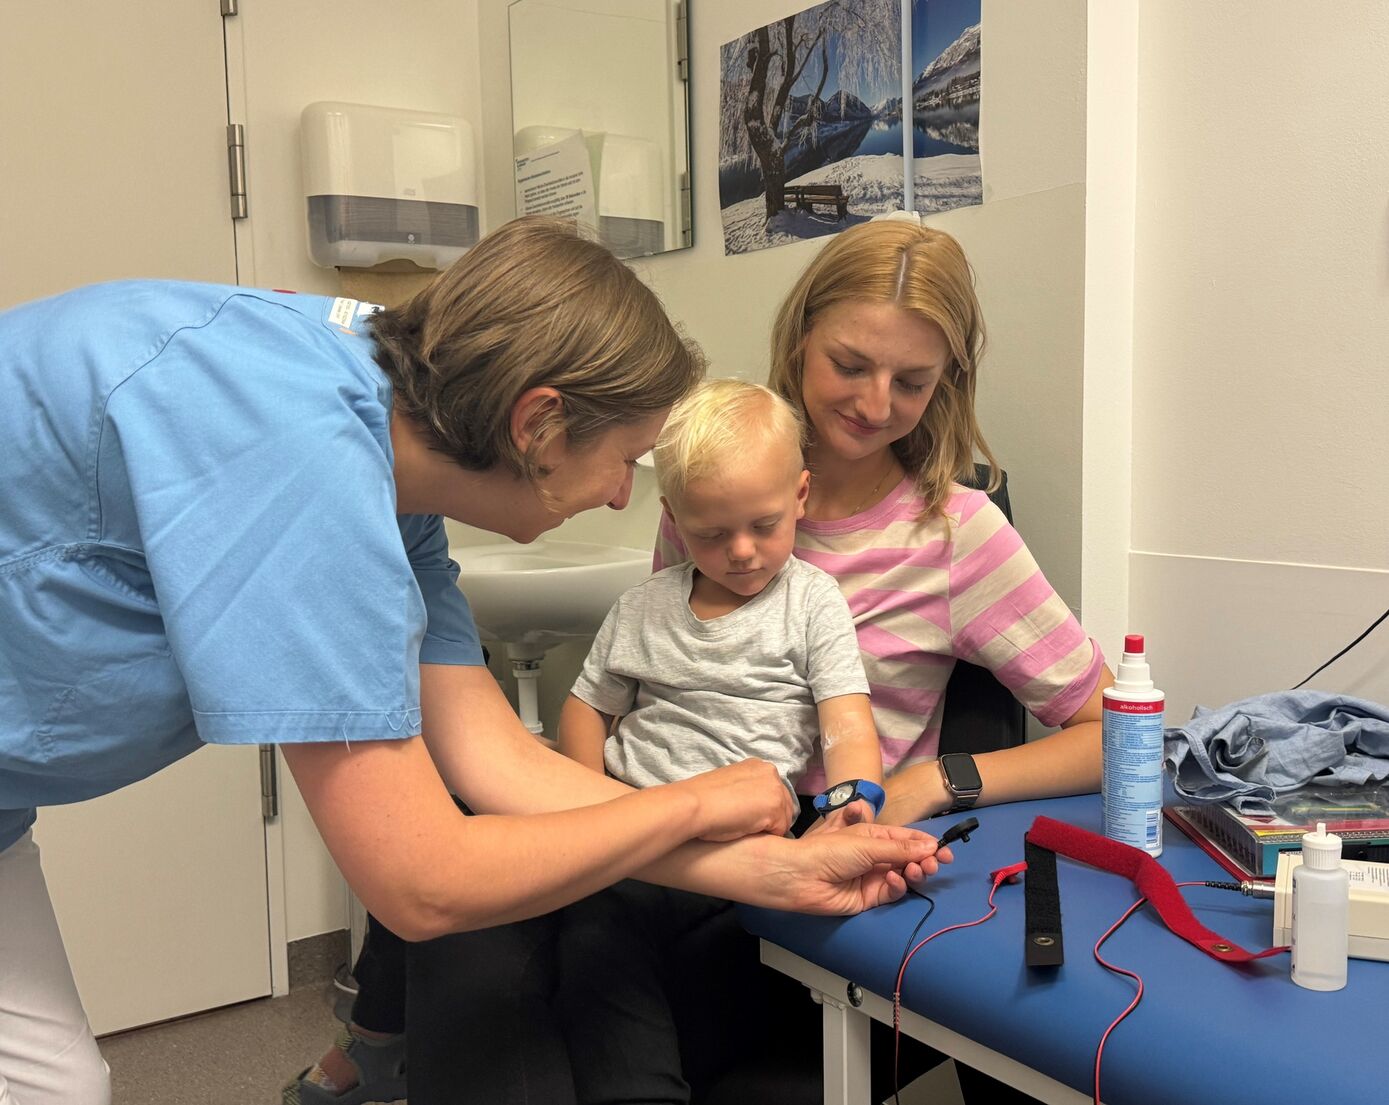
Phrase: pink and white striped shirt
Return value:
(925, 593)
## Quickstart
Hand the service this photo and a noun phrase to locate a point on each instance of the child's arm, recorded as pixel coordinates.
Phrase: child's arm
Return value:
(583, 732)
(849, 742)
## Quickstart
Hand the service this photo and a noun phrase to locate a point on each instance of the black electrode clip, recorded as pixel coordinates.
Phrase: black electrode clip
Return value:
(959, 831)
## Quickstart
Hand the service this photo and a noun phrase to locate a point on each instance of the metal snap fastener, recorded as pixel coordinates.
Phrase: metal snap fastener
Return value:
(1220, 947)
(855, 994)
(1043, 941)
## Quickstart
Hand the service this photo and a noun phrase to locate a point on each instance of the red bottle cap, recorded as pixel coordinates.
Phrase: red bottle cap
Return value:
(1133, 642)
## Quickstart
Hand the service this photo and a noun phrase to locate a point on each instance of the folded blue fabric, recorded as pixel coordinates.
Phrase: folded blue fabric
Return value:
(1258, 748)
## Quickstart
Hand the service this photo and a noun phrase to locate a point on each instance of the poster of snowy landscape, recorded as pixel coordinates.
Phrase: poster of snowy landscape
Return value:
(810, 123)
(945, 105)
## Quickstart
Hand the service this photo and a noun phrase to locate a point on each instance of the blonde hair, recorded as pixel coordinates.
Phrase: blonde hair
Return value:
(533, 304)
(923, 271)
(716, 425)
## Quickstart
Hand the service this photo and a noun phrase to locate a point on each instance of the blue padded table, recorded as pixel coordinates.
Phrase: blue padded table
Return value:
(1205, 1032)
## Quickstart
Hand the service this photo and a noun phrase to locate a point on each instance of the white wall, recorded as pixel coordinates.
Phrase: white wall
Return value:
(1260, 459)
(1111, 171)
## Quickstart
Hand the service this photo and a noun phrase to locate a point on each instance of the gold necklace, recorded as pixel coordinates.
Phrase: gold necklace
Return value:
(891, 464)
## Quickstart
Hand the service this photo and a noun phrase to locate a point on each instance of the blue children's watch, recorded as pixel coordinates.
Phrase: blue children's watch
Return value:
(841, 794)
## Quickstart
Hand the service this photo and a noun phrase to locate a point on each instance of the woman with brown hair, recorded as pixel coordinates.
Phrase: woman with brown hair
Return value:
(225, 525)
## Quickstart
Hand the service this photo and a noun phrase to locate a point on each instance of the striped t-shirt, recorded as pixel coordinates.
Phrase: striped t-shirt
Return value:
(926, 593)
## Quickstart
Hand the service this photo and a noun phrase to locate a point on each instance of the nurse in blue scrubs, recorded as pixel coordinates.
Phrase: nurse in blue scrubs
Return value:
(222, 522)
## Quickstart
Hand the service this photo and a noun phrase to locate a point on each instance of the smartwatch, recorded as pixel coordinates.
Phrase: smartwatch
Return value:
(851, 790)
(961, 779)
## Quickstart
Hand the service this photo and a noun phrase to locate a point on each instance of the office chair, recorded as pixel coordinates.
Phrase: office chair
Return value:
(981, 714)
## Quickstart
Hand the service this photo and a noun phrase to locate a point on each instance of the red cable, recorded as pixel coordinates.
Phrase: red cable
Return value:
(1000, 877)
(1099, 1051)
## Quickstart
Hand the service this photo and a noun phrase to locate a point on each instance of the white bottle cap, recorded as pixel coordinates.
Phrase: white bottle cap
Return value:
(1321, 850)
(1133, 676)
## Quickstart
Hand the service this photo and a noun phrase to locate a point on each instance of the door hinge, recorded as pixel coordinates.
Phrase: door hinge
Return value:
(682, 40)
(269, 783)
(686, 210)
(231, 7)
(236, 168)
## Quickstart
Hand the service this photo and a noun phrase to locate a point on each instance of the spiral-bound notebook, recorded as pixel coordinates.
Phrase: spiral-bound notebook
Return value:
(1248, 846)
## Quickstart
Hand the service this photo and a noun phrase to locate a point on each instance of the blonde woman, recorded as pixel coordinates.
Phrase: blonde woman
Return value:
(879, 344)
(224, 523)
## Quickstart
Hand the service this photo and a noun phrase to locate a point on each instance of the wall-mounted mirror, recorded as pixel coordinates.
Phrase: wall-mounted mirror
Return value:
(600, 118)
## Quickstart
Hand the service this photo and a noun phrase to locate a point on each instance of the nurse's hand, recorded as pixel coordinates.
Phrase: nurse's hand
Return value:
(739, 800)
(846, 871)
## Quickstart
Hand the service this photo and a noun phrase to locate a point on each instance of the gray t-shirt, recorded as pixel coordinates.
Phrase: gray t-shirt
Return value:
(695, 695)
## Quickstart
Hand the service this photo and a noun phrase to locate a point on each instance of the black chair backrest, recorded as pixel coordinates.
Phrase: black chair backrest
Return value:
(981, 714)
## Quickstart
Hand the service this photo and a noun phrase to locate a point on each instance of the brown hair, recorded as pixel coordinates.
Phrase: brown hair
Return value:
(923, 271)
(533, 304)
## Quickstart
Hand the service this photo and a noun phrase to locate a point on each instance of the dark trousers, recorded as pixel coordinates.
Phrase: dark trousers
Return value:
(481, 1028)
(653, 994)
(380, 976)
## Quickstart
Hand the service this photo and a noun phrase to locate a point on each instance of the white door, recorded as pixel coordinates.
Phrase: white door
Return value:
(113, 164)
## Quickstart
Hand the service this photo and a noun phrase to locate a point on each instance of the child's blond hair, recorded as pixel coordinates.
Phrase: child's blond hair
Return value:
(717, 425)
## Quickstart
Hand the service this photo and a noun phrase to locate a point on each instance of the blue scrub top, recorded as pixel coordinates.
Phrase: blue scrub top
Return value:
(198, 538)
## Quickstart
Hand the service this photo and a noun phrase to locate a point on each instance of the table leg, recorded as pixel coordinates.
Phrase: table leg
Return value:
(845, 1030)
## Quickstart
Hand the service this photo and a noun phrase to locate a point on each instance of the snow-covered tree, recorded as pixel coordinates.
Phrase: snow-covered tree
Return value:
(766, 67)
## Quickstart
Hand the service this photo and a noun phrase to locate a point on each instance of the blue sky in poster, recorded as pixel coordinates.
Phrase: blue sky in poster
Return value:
(870, 94)
(936, 24)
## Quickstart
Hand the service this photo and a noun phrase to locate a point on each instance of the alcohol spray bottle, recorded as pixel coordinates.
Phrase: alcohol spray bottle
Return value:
(1132, 781)
(1321, 913)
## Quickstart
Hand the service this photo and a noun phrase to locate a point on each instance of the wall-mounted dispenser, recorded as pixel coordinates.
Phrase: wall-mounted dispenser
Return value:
(383, 185)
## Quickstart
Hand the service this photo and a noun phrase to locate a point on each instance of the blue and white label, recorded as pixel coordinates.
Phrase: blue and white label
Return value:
(1131, 787)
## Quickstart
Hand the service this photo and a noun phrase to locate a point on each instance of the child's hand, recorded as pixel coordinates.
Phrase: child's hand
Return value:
(740, 799)
(855, 813)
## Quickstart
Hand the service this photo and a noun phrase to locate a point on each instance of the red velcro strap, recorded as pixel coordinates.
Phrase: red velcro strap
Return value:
(1149, 876)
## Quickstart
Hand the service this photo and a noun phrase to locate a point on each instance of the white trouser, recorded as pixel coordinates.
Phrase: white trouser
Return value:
(47, 1053)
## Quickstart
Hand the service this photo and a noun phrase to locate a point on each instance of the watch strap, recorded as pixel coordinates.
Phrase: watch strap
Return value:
(873, 794)
(866, 789)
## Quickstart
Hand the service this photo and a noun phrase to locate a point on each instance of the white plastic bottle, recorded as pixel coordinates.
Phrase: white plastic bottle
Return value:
(1131, 786)
(1321, 913)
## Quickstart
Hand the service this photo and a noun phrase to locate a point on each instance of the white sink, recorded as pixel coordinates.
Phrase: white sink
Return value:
(545, 592)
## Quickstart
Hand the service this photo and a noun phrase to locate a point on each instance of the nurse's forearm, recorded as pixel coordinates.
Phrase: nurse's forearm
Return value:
(496, 765)
(425, 869)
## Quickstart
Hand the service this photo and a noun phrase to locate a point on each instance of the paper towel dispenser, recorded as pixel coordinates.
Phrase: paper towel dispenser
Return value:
(384, 184)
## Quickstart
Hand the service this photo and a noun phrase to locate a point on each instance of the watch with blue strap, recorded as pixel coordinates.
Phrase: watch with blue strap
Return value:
(851, 790)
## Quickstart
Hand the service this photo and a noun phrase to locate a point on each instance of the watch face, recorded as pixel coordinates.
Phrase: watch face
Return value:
(841, 794)
(961, 772)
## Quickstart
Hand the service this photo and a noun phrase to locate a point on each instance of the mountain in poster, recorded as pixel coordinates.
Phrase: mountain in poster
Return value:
(951, 81)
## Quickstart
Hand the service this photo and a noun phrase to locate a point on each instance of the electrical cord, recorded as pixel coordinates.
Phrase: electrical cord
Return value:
(1009, 874)
(1343, 651)
(1006, 874)
(1099, 1050)
(897, 996)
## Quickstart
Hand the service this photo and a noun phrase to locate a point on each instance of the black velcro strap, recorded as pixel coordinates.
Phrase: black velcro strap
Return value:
(1043, 902)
